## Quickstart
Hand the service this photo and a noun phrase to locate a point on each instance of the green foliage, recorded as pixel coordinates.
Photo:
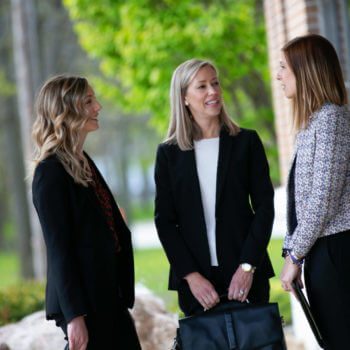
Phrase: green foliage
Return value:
(20, 300)
(142, 211)
(6, 88)
(9, 269)
(140, 43)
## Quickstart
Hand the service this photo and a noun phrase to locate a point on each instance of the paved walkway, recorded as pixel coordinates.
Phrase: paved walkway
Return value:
(292, 344)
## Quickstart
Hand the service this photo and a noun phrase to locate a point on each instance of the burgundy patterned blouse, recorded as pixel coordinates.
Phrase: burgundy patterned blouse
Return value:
(105, 200)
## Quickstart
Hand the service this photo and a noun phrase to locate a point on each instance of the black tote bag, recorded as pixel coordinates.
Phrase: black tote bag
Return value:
(233, 326)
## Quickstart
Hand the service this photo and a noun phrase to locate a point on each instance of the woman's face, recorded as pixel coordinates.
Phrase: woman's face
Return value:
(203, 95)
(91, 109)
(287, 78)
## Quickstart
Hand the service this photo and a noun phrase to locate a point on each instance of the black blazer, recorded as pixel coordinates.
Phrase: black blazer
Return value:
(244, 208)
(84, 273)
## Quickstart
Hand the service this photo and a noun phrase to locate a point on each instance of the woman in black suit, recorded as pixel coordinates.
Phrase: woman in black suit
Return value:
(214, 198)
(90, 269)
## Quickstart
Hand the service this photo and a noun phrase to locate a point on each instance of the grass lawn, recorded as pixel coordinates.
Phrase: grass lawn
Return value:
(275, 251)
(9, 269)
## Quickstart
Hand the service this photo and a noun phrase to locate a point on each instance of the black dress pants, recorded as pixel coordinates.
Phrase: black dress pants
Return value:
(327, 280)
(259, 293)
(109, 331)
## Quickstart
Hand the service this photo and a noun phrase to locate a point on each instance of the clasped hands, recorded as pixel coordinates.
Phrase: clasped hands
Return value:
(205, 293)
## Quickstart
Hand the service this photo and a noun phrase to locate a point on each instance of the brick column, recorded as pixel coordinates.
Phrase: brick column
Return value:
(286, 19)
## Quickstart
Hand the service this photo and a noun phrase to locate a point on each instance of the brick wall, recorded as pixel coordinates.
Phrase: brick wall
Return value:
(286, 19)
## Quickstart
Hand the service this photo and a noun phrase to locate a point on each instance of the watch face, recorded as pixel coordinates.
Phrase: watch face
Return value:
(246, 267)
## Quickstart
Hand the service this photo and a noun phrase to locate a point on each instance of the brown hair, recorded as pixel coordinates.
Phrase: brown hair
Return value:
(59, 119)
(319, 79)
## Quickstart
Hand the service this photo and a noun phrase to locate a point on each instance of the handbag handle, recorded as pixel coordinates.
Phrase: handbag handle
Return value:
(224, 299)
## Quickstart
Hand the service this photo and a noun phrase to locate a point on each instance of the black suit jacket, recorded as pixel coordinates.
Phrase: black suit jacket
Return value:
(244, 208)
(84, 273)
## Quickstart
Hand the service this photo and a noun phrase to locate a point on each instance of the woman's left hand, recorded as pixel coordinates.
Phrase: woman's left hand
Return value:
(240, 285)
(290, 272)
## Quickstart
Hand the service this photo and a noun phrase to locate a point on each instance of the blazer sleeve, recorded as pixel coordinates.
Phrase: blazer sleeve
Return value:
(166, 220)
(52, 200)
(261, 197)
(330, 165)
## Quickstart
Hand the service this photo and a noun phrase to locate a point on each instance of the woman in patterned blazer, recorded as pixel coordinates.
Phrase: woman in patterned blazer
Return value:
(319, 184)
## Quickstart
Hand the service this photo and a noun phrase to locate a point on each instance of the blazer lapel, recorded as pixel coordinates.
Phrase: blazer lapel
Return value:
(191, 170)
(192, 180)
(93, 197)
(225, 147)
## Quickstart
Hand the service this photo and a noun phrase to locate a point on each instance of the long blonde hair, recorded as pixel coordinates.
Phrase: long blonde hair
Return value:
(60, 117)
(182, 127)
(319, 79)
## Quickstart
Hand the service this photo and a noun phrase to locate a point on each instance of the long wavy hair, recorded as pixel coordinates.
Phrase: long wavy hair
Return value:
(60, 116)
(319, 79)
(182, 127)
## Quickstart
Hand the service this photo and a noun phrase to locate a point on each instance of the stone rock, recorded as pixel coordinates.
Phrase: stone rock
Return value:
(33, 332)
(156, 327)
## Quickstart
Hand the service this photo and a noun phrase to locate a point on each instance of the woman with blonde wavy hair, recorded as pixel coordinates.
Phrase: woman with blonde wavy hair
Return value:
(90, 268)
(214, 197)
(318, 231)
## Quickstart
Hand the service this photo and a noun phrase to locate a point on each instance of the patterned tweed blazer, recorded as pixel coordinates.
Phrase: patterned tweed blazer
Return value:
(322, 179)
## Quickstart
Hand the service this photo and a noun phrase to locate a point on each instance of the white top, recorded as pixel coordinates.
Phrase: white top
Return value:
(207, 153)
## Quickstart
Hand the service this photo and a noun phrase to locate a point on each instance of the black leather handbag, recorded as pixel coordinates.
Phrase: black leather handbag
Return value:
(232, 326)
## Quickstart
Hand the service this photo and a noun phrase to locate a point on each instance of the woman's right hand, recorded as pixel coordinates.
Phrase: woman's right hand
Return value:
(77, 334)
(202, 290)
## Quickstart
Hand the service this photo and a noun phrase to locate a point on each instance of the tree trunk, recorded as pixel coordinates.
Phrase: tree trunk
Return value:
(24, 44)
(18, 190)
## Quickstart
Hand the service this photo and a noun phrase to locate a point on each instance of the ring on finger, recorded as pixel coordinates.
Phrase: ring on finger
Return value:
(241, 292)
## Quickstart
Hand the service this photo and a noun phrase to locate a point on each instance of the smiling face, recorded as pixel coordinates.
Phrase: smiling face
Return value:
(203, 94)
(91, 110)
(287, 78)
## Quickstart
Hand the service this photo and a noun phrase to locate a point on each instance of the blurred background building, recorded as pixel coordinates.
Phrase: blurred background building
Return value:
(286, 19)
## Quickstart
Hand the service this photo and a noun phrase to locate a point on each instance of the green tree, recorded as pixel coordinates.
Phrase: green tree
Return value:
(140, 42)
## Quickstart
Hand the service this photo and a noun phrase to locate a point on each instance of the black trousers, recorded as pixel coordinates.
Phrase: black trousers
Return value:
(109, 331)
(327, 280)
(259, 293)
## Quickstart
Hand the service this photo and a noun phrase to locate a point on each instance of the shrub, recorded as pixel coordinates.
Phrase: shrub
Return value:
(20, 300)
